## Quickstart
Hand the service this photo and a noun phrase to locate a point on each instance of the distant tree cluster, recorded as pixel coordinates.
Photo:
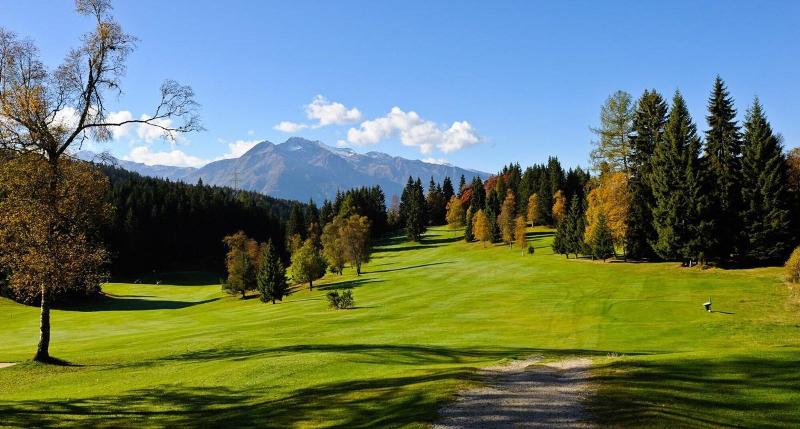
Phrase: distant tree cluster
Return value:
(158, 224)
(252, 266)
(666, 192)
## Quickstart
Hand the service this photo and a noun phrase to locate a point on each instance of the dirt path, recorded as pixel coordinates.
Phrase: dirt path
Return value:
(6, 364)
(524, 394)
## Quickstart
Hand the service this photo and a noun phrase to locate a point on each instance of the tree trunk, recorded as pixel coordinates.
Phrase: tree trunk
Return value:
(358, 269)
(243, 294)
(311, 285)
(273, 300)
(43, 349)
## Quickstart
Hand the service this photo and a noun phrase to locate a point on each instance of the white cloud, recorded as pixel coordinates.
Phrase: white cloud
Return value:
(439, 161)
(250, 132)
(151, 133)
(458, 136)
(238, 148)
(329, 112)
(117, 117)
(176, 158)
(289, 127)
(414, 131)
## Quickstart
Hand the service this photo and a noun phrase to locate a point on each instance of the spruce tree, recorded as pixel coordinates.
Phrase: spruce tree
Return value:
(722, 156)
(765, 216)
(575, 228)
(462, 184)
(560, 238)
(271, 277)
(648, 131)
(680, 205)
(447, 189)
(601, 243)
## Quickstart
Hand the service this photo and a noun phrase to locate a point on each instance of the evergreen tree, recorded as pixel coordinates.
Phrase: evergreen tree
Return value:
(477, 199)
(560, 239)
(447, 189)
(462, 184)
(601, 242)
(468, 236)
(722, 156)
(492, 211)
(574, 228)
(648, 131)
(766, 217)
(271, 277)
(681, 207)
(544, 200)
(296, 225)
(311, 215)
(412, 209)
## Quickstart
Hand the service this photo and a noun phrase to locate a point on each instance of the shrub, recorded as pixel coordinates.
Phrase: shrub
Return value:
(531, 249)
(793, 266)
(341, 301)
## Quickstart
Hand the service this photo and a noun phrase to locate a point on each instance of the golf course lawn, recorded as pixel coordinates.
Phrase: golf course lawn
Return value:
(427, 316)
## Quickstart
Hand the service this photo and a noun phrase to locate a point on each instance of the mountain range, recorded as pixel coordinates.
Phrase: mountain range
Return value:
(301, 169)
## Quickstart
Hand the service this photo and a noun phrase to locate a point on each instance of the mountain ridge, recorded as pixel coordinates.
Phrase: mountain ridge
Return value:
(301, 169)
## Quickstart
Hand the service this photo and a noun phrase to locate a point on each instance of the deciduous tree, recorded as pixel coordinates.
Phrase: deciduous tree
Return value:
(455, 213)
(46, 112)
(559, 207)
(481, 229)
(307, 264)
(533, 210)
(613, 144)
(519, 233)
(506, 218)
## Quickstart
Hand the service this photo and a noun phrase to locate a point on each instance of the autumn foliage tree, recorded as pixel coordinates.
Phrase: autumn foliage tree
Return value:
(455, 213)
(559, 207)
(506, 219)
(519, 233)
(45, 112)
(611, 199)
(481, 229)
(74, 262)
(533, 210)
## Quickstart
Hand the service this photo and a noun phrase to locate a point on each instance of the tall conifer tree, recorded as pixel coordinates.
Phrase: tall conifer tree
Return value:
(722, 156)
(765, 215)
(680, 205)
(648, 131)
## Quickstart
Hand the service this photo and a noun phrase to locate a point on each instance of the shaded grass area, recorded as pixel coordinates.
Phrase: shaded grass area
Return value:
(429, 315)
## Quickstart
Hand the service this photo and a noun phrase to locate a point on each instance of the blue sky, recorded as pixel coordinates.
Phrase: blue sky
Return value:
(490, 82)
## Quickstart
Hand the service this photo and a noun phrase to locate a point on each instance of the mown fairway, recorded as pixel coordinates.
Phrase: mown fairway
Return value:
(427, 315)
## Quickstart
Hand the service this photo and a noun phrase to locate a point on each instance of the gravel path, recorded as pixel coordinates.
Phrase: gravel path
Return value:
(524, 394)
(6, 364)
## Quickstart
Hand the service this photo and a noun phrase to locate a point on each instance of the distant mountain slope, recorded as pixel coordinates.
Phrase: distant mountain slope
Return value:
(300, 169)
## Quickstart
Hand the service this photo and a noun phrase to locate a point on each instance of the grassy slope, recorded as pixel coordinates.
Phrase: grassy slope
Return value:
(428, 315)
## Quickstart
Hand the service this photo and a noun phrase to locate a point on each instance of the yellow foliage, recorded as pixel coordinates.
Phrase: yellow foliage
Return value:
(533, 210)
(559, 207)
(610, 197)
(793, 266)
(480, 227)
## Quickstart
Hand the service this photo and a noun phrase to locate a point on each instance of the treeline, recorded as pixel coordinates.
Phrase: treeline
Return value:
(159, 224)
(666, 192)
(538, 194)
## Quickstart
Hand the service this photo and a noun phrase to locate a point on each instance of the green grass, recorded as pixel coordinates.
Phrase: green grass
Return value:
(427, 316)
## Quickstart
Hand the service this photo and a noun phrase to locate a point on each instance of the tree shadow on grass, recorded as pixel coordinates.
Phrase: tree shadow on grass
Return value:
(411, 267)
(125, 303)
(366, 402)
(406, 248)
(742, 391)
(347, 284)
(442, 240)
